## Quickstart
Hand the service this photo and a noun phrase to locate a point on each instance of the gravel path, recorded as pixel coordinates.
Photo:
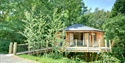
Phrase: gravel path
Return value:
(9, 58)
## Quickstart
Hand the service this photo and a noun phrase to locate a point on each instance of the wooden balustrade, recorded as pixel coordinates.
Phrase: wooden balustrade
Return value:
(83, 48)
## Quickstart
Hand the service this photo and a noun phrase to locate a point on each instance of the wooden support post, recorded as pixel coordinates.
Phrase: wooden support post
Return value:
(97, 56)
(76, 42)
(14, 48)
(106, 45)
(110, 45)
(83, 39)
(99, 46)
(29, 46)
(46, 43)
(93, 36)
(92, 55)
(85, 57)
(87, 45)
(41, 44)
(10, 48)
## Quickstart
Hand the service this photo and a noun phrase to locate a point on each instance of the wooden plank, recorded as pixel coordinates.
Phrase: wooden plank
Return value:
(97, 57)
(71, 39)
(86, 38)
(47, 45)
(22, 44)
(67, 37)
(90, 39)
(83, 39)
(87, 45)
(106, 44)
(14, 48)
(99, 46)
(110, 46)
(25, 52)
(92, 55)
(93, 35)
(10, 48)
(76, 42)
(84, 49)
(102, 39)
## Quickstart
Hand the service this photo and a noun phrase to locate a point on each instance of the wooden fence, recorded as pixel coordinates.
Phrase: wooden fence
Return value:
(15, 48)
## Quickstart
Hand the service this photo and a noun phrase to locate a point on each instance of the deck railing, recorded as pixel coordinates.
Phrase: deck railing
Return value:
(98, 44)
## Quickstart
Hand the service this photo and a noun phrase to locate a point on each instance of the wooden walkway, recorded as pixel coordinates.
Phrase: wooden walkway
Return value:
(70, 49)
(38, 50)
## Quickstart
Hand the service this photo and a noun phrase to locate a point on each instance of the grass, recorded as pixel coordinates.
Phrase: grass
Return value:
(49, 58)
(46, 59)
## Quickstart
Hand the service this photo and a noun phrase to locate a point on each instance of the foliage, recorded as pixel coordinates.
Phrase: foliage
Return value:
(46, 59)
(97, 18)
(107, 58)
(38, 29)
(119, 7)
(12, 14)
(115, 28)
(4, 45)
(74, 11)
(10, 24)
(34, 28)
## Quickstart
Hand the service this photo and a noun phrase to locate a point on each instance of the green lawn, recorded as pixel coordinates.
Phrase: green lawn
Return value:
(45, 59)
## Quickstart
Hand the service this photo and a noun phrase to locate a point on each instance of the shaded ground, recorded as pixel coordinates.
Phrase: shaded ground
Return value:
(7, 58)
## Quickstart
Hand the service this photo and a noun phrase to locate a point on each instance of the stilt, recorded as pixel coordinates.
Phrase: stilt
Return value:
(92, 55)
(85, 57)
(96, 56)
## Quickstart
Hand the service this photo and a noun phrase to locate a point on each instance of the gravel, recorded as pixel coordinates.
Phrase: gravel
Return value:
(9, 58)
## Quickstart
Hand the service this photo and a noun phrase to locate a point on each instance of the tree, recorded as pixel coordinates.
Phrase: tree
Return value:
(10, 24)
(12, 14)
(37, 29)
(115, 30)
(97, 18)
(119, 7)
(74, 11)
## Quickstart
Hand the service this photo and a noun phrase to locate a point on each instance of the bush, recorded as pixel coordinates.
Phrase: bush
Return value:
(4, 45)
(107, 58)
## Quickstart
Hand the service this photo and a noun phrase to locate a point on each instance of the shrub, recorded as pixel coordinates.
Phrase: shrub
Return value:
(4, 45)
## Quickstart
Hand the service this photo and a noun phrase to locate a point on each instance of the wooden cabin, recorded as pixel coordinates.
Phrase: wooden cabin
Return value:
(81, 38)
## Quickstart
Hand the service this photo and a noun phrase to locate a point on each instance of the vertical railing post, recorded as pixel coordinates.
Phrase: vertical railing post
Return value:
(99, 46)
(41, 44)
(106, 45)
(46, 43)
(87, 45)
(10, 48)
(76, 42)
(14, 48)
(110, 45)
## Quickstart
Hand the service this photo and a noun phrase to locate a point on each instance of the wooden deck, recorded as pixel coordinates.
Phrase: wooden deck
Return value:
(87, 49)
(77, 47)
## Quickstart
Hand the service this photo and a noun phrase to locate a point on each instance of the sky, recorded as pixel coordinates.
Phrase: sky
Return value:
(101, 4)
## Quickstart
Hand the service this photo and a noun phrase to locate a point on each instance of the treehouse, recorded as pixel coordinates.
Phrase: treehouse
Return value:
(81, 38)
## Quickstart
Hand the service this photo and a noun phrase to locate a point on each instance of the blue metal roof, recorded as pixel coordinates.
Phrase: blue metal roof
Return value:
(81, 27)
